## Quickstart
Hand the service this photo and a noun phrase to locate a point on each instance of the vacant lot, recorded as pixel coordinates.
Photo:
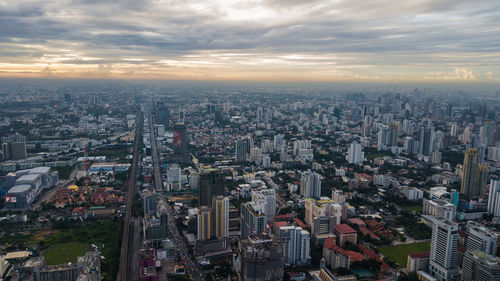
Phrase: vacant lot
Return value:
(64, 253)
(399, 253)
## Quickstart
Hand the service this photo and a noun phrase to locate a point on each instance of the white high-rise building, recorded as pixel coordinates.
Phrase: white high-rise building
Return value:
(279, 141)
(297, 244)
(310, 185)
(266, 146)
(174, 178)
(442, 263)
(440, 209)
(266, 161)
(259, 116)
(481, 238)
(383, 138)
(494, 197)
(487, 133)
(355, 154)
(454, 129)
(266, 200)
(480, 266)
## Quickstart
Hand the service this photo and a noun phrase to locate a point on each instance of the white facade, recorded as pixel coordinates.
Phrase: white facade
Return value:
(297, 244)
(412, 193)
(266, 146)
(494, 197)
(481, 238)
(440, 209)
(355, 154)
(266, 199)
(444, 242)
(266, 161)
(310, 185)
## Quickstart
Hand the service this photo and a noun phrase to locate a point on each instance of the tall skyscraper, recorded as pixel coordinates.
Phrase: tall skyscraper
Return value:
(241, 151)
(211, 185)
(279, 141)
(479, 266)
(14, 150)
(258, 114)
(442, 264)
(266, 146)
(180, 139)
(162, 114)
(204, 224)
(221, 212)
(383, 136)
(297, 244)
(266, 161)
(470, 177)
(253, 219)
(426, 141)
(182, 116)
(487, 133)
(393, 133)
(484, 177)
(454, 129)
(494, 197)
(310, 185)
(355, 154)
(481, 238)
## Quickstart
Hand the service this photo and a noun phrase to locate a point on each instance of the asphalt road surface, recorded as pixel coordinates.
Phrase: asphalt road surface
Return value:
(124, 254)
(191, 267)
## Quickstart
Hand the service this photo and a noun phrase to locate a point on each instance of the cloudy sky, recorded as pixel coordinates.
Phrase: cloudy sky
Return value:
(298, 40)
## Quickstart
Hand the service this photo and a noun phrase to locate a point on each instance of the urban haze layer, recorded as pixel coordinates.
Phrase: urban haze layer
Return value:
(151, 181)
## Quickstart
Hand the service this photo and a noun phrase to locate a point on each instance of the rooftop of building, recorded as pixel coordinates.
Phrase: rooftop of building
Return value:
(356, 221)
(354, 256)
(20, 188)
(17, 255)
(418, 255)
(300, 223)
(344, 229)
(485, 258)
(28, 177)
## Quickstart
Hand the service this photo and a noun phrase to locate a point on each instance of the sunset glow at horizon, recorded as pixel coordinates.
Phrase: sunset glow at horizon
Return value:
(258, 40)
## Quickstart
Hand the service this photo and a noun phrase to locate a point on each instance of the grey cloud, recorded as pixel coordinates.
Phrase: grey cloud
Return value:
(409, 32)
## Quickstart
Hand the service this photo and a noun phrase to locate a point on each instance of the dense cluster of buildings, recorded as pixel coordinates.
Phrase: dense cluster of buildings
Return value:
(265, 186)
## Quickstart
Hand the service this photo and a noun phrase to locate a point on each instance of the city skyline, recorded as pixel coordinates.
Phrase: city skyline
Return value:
(268, 40)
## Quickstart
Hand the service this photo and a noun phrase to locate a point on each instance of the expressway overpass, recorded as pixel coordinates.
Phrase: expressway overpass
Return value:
(124, 266)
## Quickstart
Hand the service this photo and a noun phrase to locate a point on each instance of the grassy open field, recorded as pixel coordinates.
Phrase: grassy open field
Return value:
(64, 253)
(106, 233)
(399, 253)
